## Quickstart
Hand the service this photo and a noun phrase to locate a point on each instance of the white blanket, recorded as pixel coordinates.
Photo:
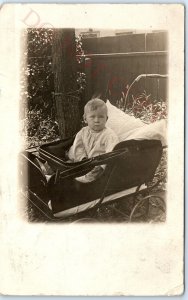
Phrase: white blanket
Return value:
(128, 127)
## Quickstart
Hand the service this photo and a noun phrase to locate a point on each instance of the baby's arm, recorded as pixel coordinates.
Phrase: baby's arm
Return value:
(77, 151)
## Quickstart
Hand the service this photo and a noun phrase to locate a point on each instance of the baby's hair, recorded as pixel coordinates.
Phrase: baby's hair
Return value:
(93, 104)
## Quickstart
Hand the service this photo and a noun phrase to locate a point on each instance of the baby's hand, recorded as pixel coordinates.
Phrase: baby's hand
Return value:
(84, 158)
(95, 173)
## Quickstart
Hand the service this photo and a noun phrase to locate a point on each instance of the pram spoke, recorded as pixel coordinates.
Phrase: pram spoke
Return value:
(150, 200)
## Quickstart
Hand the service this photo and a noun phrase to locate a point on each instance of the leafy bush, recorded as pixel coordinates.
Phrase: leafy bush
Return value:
(38, 128)
(38, 112)
(39, 87)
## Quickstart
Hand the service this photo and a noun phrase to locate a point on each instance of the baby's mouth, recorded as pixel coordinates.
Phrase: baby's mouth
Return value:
(97, 126)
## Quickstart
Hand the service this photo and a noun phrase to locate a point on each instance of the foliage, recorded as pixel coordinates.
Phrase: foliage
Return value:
(145, 108)
(37, 108)
(39, 67)
(81, 76)
(38, 129)
(79, 49)
(37, 83)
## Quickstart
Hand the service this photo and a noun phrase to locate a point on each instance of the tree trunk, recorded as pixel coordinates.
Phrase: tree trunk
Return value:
(64, 68)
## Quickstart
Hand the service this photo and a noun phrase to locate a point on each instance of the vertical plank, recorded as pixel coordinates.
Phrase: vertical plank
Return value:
(157, 41)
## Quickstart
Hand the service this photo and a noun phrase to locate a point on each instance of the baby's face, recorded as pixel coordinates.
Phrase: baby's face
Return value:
(96, 119)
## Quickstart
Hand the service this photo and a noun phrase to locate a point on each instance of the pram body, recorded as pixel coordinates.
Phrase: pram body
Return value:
(129, 169)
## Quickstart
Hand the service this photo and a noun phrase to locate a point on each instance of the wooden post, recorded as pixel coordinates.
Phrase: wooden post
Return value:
(64, 68)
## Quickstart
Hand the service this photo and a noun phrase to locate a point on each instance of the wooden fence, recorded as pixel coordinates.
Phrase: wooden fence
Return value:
(112, 63)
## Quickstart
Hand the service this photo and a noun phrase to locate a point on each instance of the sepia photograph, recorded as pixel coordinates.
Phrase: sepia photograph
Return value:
(94, 117)
(92, 149)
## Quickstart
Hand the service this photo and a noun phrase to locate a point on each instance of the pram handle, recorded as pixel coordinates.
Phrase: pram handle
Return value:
(140, 77)
(150, 76)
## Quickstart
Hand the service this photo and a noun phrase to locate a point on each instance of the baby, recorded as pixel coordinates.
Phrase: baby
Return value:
(94, 139)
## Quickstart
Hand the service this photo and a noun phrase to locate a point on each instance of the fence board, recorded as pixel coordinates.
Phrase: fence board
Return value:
(114, 44)
(157, 41)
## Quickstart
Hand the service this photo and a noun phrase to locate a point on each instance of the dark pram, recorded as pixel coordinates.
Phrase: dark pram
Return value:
(129, 169)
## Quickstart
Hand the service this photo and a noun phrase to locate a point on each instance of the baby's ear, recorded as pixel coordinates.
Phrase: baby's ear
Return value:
(84, 119)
